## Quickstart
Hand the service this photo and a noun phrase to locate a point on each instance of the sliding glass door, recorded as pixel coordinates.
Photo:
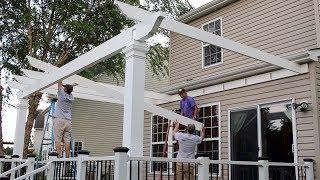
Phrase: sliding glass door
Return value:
(244, 143)
(262, 131)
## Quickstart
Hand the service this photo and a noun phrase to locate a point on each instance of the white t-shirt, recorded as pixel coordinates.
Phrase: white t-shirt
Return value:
(187, 145)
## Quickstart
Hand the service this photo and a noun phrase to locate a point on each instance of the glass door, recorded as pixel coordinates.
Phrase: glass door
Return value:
(244, 143)
(277, 138)
(263, 131)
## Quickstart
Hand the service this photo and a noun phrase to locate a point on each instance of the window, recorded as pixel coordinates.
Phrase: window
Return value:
(159, 134)
(212, 55)
(78, 146)
(210, 116)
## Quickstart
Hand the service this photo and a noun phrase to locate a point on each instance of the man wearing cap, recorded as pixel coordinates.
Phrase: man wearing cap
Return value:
(62, 118)
(187, 105)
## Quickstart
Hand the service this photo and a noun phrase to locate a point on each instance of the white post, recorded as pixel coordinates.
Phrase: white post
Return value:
(133, 118)
(22, 112)
(31, 162)
(309, 169)
(50, 174)
(263, 168)
(13, 165)
(81, 165)
(120, 163)
(203, 168)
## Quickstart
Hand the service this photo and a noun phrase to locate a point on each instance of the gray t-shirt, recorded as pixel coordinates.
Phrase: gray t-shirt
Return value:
(64, 105)
(187, 145)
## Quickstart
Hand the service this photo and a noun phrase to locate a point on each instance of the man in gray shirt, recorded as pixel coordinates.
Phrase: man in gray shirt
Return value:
(62, 118)
(187, 146)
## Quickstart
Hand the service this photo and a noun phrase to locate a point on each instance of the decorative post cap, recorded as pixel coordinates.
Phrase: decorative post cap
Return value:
(53, 154)
(121, 149)
(83, 152)
(263, 158)
(15, 156)
(308, 160)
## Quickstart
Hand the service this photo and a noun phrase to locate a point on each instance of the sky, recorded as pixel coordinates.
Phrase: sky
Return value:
(9, 113)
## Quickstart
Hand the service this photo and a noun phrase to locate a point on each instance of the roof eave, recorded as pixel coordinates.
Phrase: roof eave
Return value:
(204, 10)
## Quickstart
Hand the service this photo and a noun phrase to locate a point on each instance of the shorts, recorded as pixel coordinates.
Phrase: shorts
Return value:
(62, 130)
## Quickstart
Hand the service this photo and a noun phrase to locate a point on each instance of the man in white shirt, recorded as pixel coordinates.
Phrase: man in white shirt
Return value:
(187, 147)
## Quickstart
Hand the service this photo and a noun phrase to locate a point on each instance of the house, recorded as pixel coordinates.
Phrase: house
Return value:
(250, 108)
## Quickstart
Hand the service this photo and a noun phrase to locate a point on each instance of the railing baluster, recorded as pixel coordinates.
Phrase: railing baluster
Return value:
(110, 170)
(146, 170)
(222, 171)
(130, 170)
(138, 169)
(168, 170)
(154, 170)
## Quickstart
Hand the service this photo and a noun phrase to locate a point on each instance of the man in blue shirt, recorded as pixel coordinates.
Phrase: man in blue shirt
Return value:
(62, 118)
(188, 106)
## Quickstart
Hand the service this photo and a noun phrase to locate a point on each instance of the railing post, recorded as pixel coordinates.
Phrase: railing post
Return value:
(2, 164)
(52, 156)
(13, 165)
(263, 168)
(309, 169)
(203, 167)
(120, 163)
(81, 165)
(31, 160)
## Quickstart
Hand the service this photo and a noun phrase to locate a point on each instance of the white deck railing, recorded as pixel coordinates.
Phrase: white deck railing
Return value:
(121, 167)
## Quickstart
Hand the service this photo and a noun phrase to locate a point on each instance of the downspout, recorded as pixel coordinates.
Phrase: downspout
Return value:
(314, 89)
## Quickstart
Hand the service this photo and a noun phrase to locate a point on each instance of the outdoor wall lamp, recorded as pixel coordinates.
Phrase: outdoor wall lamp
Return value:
(304, 106)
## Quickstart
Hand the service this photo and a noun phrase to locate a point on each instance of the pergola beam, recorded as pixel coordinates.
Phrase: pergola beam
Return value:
(49, 68)
(94, 93)
(100, 53)
(200, 35)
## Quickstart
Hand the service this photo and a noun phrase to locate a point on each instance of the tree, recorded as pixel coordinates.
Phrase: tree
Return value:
(58, 31)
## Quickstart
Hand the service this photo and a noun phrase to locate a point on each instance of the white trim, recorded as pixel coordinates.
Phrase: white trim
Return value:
(248, 81)
(202, 44)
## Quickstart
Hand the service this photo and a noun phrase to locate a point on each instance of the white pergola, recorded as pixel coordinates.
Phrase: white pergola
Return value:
(133, 96)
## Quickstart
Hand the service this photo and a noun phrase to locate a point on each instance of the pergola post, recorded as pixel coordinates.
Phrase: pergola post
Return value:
(133, 118)
(22, 112)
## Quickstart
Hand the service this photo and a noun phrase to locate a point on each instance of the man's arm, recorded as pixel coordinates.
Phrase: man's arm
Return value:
(195, 112)
(176, 128)
(60, 84)
(202, 133)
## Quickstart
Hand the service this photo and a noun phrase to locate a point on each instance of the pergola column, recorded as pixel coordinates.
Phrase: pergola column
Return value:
(133, 119)
(22, 112)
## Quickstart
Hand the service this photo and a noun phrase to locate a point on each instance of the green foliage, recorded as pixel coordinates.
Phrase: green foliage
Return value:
(8, 151)
(57, 31)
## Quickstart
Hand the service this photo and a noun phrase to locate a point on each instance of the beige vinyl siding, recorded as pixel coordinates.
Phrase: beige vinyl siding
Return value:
(278, 27)
(98, 125)
(297, 87)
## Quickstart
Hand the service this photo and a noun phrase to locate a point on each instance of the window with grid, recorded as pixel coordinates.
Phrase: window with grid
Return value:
(212, 55)
(159, 133)
(209, 116)
(77, 146)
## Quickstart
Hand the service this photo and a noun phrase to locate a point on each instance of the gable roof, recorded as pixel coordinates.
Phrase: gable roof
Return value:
(204, 10)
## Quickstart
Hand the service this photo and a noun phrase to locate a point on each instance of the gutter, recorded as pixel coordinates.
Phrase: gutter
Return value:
(204, 10)
(217, 78)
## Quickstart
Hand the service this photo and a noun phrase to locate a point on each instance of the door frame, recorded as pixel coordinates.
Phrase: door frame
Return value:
(257, 107)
